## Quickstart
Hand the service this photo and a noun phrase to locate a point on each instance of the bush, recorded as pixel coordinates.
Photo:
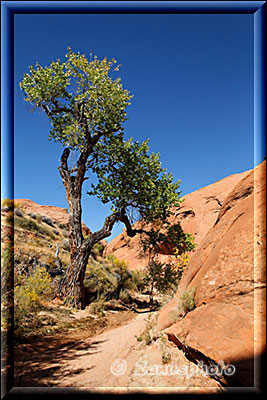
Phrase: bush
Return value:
(108, 278)
(10, 204)
(151, 332)
(139, 280)
(39, 218)
(97, 250)
(188, 300)
(29, 224)
(10, 218)
(100, 281)
(28, 296)
(62, 226)
(98, 306)
(166, 355)
(124, 296)
(163, 277)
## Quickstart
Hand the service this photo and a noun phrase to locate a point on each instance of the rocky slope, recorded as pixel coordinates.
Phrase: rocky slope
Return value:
(227, 273)
(41, 235)
(57, 214)
(197, 214)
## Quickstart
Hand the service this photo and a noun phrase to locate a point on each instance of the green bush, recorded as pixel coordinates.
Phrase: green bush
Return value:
(29, 224)
(62, 226)
(98, 249)
(139, 279)
(163, 277)
(39, 218)
(124, 296)
(188, 300)
(108, 278)
(166, 355)
(10, 204)
(98, 306)
(29, 293)
(10, 218)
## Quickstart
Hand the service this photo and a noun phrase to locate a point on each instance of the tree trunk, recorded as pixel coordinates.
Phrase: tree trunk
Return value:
(71, 286)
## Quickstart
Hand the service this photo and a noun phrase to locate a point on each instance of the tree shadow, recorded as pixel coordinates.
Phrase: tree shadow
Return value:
(42, 361)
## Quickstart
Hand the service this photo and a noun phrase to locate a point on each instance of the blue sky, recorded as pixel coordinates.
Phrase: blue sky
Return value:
(192, 81)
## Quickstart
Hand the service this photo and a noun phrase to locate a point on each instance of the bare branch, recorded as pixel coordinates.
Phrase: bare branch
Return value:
(64, 159)
(105, 231)
(55, 111)
(82, 162)
(129, 230)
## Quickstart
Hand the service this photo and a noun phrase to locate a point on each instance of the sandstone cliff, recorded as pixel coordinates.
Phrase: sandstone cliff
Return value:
(227, 273)
(197, 214)
(54, 213)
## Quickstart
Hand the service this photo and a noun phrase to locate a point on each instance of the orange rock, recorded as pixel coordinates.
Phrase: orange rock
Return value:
(57, 214)
(227, 272)
(197, 214)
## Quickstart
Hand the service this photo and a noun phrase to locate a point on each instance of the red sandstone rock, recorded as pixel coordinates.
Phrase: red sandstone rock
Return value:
(57, 214)
(197, 214)
(227, 272)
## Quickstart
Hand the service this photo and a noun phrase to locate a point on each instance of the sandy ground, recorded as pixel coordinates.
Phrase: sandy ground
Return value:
(113, 360)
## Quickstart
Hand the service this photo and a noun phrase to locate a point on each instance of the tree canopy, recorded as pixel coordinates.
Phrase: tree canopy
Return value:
(80, 97)
(86, 107)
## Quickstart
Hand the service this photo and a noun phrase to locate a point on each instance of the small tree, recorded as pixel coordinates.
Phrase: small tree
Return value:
(170, 239)
(86, 108)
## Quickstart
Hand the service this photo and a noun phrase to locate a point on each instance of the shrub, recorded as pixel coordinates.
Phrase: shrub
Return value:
(30, 225)
(62, 226)
(124, 296)
(98, 249)
(98, 306)
(28, 297)
(163, 277)
(10, 218)
(39, 218)
(166, 355)
(139, 280)
(108, 278)
(9, 203)
(7, 266)
(100, 281)
(188, 301)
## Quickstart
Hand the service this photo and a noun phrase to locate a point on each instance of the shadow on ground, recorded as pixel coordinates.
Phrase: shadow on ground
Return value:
(41, 363)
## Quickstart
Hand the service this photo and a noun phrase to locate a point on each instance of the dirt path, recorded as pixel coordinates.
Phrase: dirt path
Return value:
(112, 359)
(95, 361)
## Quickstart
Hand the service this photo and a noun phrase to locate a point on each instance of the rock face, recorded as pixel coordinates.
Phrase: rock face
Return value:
(49, 214)
(227, 274)
(197, 214)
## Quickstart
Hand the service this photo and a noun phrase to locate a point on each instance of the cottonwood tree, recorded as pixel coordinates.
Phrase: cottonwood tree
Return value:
(86, 107)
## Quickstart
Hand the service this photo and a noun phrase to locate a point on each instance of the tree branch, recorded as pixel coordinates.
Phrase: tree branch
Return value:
(105, 231)
(129, 230)
(63, 169)
(82, 162)
(56, 110)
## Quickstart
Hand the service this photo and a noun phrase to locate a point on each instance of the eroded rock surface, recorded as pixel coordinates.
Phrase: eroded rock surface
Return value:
(197, 214)
(227, 273)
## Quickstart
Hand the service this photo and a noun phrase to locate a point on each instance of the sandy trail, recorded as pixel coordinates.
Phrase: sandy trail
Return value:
(108, 361)
(101, 355)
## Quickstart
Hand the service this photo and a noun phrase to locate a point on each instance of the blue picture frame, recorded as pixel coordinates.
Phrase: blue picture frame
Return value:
(10, 8)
